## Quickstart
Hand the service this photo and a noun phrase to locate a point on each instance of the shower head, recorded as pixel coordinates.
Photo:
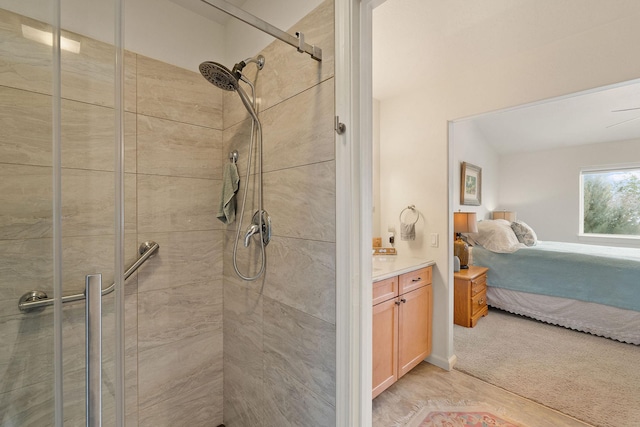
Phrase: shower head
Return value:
(219, 75)
(224, 78)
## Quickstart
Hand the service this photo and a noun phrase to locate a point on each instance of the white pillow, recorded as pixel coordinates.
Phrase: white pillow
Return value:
(497, 235)
(524, 233)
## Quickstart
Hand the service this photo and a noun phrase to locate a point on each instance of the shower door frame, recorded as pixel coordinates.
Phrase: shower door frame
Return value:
(95, 330)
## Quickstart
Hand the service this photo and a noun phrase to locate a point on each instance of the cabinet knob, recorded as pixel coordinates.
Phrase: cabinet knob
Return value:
(481, 301)
(416, 279)
(403, 300)
(397, 302)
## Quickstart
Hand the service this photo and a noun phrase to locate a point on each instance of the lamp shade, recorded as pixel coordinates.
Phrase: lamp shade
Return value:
(508, 215)
(465, 222)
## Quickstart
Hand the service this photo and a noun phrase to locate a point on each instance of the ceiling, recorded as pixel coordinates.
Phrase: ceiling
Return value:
(610, 114)
(421, 42)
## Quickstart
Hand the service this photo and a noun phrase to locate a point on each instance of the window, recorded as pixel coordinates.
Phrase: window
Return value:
(611, 202)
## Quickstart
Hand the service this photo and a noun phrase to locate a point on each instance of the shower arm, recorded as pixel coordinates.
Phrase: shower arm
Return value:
(36, 299)
(297, 42)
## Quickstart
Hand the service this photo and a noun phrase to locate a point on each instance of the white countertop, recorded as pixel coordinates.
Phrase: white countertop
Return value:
(385, 266)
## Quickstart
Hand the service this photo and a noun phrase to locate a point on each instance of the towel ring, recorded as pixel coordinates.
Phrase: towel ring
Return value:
(413, 209)
(233, 156)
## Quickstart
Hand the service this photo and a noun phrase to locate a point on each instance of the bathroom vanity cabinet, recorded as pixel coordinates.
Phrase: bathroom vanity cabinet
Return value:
(402, 312)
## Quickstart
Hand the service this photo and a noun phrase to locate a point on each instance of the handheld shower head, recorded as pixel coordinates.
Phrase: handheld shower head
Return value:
(219, 75)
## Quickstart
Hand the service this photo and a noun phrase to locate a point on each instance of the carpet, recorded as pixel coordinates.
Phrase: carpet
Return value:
(590, 378)
(456, 414)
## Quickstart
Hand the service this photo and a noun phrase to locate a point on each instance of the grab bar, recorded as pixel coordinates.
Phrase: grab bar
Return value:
(36, 299)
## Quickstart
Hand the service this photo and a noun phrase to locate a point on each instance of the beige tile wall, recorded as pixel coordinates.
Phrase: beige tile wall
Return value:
(279, 332)
(173, 171)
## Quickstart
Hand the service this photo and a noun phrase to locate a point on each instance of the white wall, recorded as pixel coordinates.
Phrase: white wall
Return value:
(244, 41)
(471, 147)
(418, 168)
(544, 186)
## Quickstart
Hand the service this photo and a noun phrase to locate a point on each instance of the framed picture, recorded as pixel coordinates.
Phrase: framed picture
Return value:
(470, 185)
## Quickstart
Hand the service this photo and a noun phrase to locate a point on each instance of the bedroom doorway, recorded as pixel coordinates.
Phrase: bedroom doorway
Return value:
(508, 186)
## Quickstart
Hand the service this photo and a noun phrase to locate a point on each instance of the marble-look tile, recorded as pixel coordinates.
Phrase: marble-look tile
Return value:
(301, 201)
(243, 366)
(87, 76)
(286, 71)
(28, 406)
(180, 369)
(24, 265)
(309, 138)
(25, 211)
(169, 92)
(243, 395)
(26, 135)
(167, 147)
(288, 403)
(300, 346)
(87, 200)
(201, 406)
(173, 314)
(302, 274)
(74, 397)
(87, 132)
(130, 81)
(177, 204)
(24, 63)
(184, 258)
(26, 342)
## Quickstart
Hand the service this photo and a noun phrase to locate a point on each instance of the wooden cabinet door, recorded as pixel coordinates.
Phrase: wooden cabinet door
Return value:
(385, 345)
(414, 336)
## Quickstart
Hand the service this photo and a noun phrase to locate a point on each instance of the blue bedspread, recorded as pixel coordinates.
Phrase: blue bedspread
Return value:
(605, 275)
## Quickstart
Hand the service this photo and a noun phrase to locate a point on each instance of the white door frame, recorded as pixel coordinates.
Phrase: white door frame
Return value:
(353, 78)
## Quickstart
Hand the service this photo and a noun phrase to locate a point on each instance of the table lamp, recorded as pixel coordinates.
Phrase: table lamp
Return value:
(463, 222)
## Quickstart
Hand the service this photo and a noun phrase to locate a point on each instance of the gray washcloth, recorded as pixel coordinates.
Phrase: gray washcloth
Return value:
(230, 179)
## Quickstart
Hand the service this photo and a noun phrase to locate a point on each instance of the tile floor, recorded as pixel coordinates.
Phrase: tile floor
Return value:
(427, 382)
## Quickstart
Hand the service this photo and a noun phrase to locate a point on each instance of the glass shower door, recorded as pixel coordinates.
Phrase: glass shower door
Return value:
(61, 210)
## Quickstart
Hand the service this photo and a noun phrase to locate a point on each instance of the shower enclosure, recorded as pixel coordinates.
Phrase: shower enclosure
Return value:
(103, 149)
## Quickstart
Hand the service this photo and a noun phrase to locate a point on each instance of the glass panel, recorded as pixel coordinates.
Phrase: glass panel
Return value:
(26, 257)
(86, 165)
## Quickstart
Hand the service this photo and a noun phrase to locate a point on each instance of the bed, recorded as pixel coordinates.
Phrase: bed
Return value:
(589, 288)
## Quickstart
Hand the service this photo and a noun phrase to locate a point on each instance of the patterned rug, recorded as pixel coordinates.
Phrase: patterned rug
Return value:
(457, 414)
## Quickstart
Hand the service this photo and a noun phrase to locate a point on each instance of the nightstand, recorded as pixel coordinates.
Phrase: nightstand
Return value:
(470, 296)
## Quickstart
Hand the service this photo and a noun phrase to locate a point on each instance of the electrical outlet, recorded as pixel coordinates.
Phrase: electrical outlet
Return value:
(434, 240)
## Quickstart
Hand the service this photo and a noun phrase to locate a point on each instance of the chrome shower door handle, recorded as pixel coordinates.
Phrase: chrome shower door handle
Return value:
(93, 343)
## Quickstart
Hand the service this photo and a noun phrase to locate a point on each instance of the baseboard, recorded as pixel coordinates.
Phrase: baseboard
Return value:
(441, 362)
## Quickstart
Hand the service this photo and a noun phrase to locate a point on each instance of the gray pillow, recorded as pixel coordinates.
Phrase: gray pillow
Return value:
(524, 233)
